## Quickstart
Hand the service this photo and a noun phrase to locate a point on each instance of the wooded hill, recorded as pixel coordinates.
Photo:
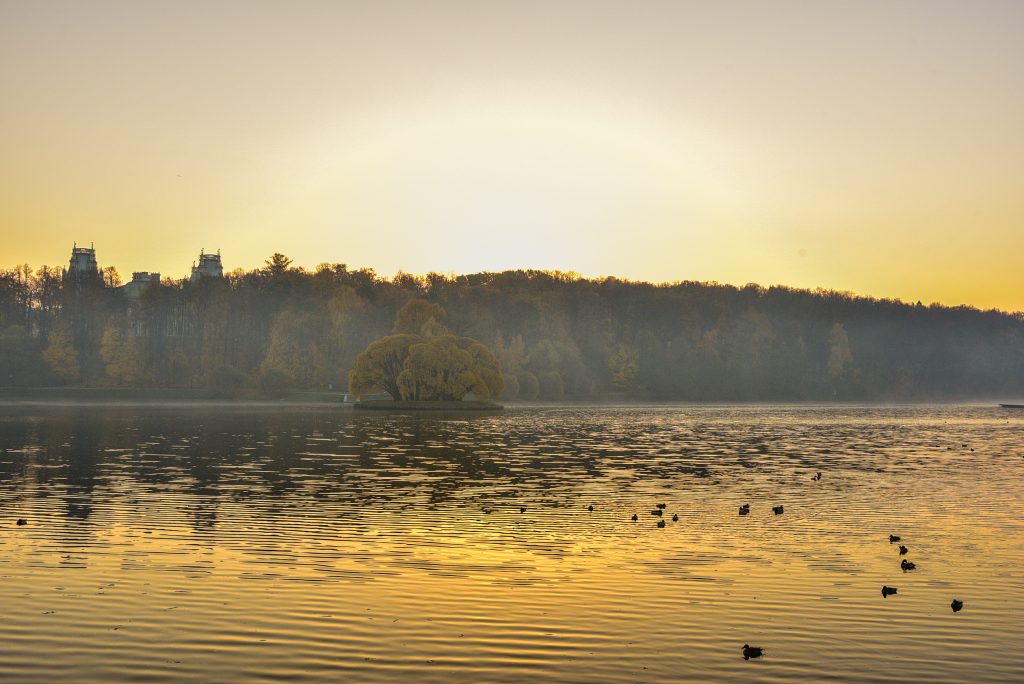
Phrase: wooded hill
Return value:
(556, 335)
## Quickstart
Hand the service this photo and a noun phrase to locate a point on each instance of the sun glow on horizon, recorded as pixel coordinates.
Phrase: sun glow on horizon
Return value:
(495, 184)
(872, 149)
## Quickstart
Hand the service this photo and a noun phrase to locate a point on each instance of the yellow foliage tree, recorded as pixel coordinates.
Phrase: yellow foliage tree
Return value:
(422, 362)
(380, 364)
(62, 357)
(485, 365)
(624, 363)
(292, 350)
(121, 354)
(438, 370)
(420, 317)
(448, 368)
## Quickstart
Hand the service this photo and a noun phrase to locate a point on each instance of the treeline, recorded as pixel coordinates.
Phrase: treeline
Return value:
(556, 335)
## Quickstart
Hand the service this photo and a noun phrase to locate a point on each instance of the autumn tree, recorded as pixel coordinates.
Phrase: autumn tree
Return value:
(623, 364)
(120, 352)
(438, 369)
(380, 364)
(293, 350)
(61, 356)
(420, 317)
(426, 365)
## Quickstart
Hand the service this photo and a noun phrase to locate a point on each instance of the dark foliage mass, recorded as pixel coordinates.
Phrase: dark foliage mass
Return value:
(556, 335)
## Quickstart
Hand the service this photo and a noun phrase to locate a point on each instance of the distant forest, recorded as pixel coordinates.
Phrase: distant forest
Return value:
(556, 335)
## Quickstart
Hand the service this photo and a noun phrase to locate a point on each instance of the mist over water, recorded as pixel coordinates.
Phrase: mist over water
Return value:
(230, 544)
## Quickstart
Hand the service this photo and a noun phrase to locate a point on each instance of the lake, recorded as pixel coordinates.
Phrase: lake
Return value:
(223, 543)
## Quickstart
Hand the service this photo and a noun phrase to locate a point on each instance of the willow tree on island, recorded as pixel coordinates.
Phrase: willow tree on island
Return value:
(379, 366)
(427, 365)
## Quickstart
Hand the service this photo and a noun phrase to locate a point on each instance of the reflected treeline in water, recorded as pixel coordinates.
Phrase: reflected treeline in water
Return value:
(245, 542)
(372, 460)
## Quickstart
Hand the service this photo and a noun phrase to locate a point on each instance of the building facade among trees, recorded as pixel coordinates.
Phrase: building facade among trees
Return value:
(141, 282)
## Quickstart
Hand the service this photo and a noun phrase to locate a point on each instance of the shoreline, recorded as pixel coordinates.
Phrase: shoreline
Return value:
(429, 406)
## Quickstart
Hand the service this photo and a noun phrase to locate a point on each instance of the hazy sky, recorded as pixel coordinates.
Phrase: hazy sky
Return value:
(874, 147)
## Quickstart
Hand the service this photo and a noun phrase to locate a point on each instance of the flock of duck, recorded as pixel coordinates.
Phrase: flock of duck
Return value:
(907, 566)
(748, 650)
(659, 511)
(887, 591)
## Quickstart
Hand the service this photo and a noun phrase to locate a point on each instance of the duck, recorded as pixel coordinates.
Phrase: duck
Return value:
(590, 508)
(522, 509)
(657, 512)
(752, 651)
(661, 523)
(675, 517)
(744, 509)
(903, 549)
(907, 565)
(956, 605)
(661, 505)
(888, 591)
(635, 518)
(816, 476)
(893, 538)
(22, 521)
(778, 510)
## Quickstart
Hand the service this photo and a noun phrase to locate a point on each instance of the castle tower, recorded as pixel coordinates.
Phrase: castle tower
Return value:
(82, 265)
(209, 267)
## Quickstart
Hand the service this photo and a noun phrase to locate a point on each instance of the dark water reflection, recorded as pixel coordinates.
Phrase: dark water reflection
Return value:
(239, 543)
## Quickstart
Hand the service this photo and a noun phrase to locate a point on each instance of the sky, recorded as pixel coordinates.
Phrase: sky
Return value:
(875, 147)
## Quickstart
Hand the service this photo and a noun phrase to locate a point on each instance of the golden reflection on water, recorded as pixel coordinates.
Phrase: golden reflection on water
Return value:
(237, 545)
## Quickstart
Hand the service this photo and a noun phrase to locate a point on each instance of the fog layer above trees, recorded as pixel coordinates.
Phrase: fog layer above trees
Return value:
(556, 335)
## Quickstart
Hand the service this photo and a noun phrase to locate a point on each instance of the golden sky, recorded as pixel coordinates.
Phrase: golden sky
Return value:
(873, 147)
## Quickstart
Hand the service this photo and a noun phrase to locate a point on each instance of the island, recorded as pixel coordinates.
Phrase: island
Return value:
(422, 366)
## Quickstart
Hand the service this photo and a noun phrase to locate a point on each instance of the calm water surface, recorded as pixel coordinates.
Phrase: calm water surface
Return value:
(229, 544)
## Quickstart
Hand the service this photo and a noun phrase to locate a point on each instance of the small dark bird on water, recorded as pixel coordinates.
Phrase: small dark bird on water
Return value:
(752, 651)
(888, 591)
(744, 509)
(675, 517)
(661, 523)
(778, 510)
(817, 476)
(956, 605)
(907, 565)
(22, 521)
(635, 518)
(522, 509)
(659, 505)
(657, 512)
(903, 549)
(590, 508)
(893, 538)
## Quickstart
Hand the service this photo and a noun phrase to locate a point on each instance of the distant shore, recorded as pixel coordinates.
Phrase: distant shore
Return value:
(157, 395)
(385, 405)
(184, 396)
